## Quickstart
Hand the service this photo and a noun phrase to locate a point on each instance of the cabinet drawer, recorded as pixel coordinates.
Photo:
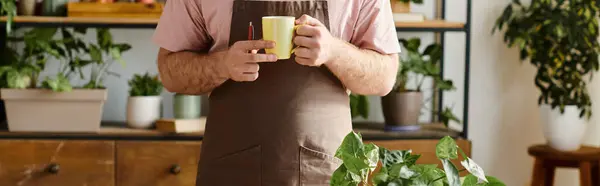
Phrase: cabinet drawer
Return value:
(157, 163)
(56, 163)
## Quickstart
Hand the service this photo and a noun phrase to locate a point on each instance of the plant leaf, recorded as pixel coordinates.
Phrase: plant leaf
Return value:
(446, 148)
(473, 168)
(471, 180)
(451, 173)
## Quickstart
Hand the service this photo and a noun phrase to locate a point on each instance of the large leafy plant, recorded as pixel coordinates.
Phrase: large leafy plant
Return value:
(20, 69)
(418, 66)
(559, 38)
(399, 167)
(145, 85)
(70, 49)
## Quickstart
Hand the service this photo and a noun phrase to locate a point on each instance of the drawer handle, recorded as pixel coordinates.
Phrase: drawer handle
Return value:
(175, 169)
(53, 168)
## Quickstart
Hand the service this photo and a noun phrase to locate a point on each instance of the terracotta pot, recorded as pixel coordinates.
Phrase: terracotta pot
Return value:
(39, 110)
(401, 111)
(400, 7)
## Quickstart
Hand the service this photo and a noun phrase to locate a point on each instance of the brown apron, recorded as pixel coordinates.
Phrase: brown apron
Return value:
(282, 129)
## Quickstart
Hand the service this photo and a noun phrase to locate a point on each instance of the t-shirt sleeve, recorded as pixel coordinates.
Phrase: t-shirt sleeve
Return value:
(375, 28)
(182, 27)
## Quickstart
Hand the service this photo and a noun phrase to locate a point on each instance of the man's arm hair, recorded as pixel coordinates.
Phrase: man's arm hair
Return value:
(189, 72)
(364, 71)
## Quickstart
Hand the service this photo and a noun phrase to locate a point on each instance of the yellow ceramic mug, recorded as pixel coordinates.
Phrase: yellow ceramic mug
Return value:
(280, 29)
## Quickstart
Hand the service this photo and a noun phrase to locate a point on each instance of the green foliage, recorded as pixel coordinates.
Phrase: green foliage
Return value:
(70, 49)
(145, 85)
(8, 8)
(21, 71)
(399, 168)
(359, 106)
(417, 67)
(359, 161)
(560, 39)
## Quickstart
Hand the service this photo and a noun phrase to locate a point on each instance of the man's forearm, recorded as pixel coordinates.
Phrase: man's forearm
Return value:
(190, 73)
(363, 72)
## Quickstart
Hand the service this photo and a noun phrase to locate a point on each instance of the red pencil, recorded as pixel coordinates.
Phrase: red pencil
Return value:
(250, 32)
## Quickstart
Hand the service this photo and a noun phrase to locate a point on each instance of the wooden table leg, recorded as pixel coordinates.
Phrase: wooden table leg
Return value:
(543, 173)
(585, 173)
(595, 173)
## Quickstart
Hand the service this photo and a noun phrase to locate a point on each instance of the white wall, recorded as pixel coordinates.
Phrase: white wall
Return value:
(503, 105)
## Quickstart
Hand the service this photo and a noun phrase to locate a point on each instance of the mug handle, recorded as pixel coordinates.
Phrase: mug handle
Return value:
(295, 29)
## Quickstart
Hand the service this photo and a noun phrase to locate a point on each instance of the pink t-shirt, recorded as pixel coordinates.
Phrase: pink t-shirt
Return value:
(201, 25)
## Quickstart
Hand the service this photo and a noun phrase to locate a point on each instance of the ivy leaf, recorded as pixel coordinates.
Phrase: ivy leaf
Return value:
(351, 151)
(473, 168)
(446, 148)
(451, 173)
(389, 158)
(363, 106)
(342, 177)
(471, 180)
(427, 175)
(18, 80)
(371, 152)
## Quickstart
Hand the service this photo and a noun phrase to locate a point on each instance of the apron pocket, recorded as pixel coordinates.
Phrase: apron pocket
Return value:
(244, 165)
(316, 167)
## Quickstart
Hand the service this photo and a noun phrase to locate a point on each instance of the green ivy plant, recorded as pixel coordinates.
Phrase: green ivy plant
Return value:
(421, 65)
(399, 167)
(359, 106)
(145, 85)
(559, 38)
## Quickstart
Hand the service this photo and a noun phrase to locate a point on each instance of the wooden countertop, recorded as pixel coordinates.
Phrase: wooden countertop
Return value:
(118, 131)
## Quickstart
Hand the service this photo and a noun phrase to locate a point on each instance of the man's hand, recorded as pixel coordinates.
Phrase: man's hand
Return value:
(314, 41)
(241, 62)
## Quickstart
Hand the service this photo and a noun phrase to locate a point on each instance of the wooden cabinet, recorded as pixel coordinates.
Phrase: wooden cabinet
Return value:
(118, 162)
(56, 163)
(157, 163)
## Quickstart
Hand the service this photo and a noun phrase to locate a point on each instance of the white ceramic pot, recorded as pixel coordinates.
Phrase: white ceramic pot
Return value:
(564, 132)
(143, 111)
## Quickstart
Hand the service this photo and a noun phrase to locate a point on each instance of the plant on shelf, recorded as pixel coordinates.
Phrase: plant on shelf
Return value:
(20, 77)
(399, 167)
(144, 102)
(403, 106)
(145, 85)
(21, 69)
(559, 38)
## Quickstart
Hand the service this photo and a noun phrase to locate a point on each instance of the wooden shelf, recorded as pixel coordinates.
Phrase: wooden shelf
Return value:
(31, 21)
(430, 25)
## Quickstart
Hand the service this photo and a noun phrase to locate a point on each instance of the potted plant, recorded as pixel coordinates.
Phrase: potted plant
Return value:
(399, 167)
(403, 6)
(403, 106)
(51, 106)
(560, 39)
(144, 102)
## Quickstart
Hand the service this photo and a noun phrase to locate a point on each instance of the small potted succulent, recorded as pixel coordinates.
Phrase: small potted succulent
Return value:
(402, 107)
(144, 103)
